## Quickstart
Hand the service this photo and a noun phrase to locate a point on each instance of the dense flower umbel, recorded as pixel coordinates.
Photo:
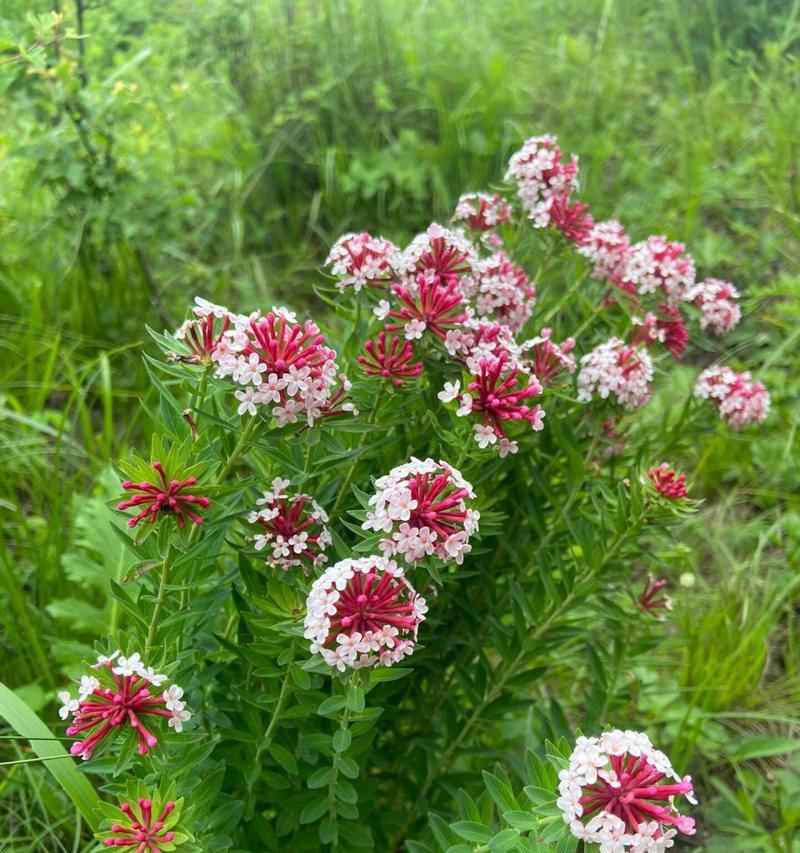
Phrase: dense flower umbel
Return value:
(392, 362)
(476, 338)
(497, 391)
(422, 505)
(650, 598)
(740, 401)
(361, 259)
(667, 328)
(166, 497)
(546, 359)
(144, 832)
(294, 528)
(427, 303)
(541, 177)
(281, 365)
(668, 481)
(619, 792)
(502, 292)
(573, 220)
(482, 211)
(122, 695)
(614, 369)
(204, 335)
(363, 613)
(440, 252)
(607, 247)
(716, 299)
(656, 263)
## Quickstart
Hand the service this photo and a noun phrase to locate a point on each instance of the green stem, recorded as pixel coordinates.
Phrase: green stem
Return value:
(337, 757)
(162, 594)
(283, 698)
(345, 489)
(240, 447)
(495, 690)
(200, 395)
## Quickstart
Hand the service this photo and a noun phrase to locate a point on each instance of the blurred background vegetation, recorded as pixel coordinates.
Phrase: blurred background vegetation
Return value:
(219, 147)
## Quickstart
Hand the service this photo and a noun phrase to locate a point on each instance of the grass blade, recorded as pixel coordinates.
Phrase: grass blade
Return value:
(54, 757)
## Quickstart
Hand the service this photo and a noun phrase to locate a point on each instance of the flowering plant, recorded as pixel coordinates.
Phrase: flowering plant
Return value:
(376, 550)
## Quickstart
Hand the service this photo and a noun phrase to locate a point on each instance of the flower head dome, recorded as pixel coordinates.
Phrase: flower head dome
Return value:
(423, 507)
(541, 177)
(498, 392)
(294, 532)
(482, 211)
(659, 264)
(620, 792)
(363, 613)
(546, 359)
(440, 252)
(740, 401)
(615, 369)
(282, 366)
(719, 310)
(124, 694)
(360, 260)
(607, 247)
(502, 292)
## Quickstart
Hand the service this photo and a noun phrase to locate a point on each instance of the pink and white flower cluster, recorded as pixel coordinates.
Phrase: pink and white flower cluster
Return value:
(440, 252)
(547, 360)
(363, 612)
(619, 792)
(480, 339)
(542, 177)
(280, 365)
(497, 392)
(615, 369)
(502, 292)
(660, 265)
(740, 401)
(422, 505)
(123, 694)
(607, 247)
(719, 310)
(203, 335)
(482, 211)
(361, 260)
(294, 528)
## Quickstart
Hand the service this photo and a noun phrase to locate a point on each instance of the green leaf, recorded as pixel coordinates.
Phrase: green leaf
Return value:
(469, 830)
(331, 705)
(314, 810)
(342, 740)
(355, 698)
(320, 778)
(56, 759)
(505, 840)
(521, 820)
(284, 758)
(761, 746)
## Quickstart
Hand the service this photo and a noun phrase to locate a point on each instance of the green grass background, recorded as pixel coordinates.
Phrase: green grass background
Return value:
(225, 144)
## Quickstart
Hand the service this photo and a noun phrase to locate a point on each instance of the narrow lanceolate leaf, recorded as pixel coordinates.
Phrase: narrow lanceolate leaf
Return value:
(55, 758)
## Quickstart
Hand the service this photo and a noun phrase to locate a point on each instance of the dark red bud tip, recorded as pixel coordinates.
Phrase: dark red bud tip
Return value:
(109, 842)
(133, 522)
(127, 484)
(169, 807)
